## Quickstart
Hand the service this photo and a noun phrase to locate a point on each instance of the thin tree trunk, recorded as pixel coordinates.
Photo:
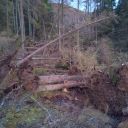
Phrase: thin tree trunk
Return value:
(59, 25)
(7, 15)
(29, 19)
(17, 23)
(33, 22)
(78, 35)
(33, 36)
(44, 30)
(22, 23)
(62, 19)
(14, 17)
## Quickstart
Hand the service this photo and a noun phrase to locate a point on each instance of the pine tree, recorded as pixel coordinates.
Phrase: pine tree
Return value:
(121, 27)
(104, 5)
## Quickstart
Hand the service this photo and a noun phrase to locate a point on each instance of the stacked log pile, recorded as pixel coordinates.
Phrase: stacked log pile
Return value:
(98, 86)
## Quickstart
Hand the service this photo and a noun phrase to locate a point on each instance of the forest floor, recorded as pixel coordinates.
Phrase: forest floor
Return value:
(102, 103)
(52, 110)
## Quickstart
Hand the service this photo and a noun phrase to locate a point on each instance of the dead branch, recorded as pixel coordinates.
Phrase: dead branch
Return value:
(58, 38)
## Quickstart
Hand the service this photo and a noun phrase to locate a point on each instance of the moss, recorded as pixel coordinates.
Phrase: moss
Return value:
(18, 43)
(47, 93)
(50, 94)
(113, 75)
(61, 65)
(27, 115)
(1, 94)
(39, 71)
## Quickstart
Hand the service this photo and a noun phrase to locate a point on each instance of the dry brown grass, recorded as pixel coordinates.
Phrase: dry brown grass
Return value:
(105, 52)
(7, 45)
(84, 60)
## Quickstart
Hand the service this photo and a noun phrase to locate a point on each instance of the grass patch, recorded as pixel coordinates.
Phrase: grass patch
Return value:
(112, 71)
(39, 71)
(27, 115)
(62, 65)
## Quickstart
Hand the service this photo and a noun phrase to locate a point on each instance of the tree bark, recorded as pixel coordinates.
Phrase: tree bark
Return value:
(22, 23)
(7, 16)
(59, 25)
(53, 87)
(17, 23)
(14, 17)
(78, 35)
(29, 19)
(54, 79)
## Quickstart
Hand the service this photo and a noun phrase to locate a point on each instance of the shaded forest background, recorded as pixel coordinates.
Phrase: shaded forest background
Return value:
(37, 20)
(29, 18)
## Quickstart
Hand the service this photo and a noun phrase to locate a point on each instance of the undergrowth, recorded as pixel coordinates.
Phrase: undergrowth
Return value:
(26, 115)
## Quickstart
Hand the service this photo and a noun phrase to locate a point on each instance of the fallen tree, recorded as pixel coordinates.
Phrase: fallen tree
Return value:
(98, 86)
(58, 38)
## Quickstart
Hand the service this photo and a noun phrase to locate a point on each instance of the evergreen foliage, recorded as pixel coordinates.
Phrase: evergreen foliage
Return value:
(34, 12)
(121, 27)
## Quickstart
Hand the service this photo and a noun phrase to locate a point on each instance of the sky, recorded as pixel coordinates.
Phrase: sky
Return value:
(74, 4)
(82, 6)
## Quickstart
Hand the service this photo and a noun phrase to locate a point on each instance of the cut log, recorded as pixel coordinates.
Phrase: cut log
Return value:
(52, 79)
(40, 58)
(55, 79)
(58, 38)
(53, 87)
(57, 82)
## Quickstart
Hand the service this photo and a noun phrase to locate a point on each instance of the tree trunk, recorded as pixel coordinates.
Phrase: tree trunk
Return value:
(33, 23)
(22, 23)
(14, 16)
(62, 20)
(59, 25)
(44, 30)
(78, 36)
(29, 19)
(7, 15)
(17, 23)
